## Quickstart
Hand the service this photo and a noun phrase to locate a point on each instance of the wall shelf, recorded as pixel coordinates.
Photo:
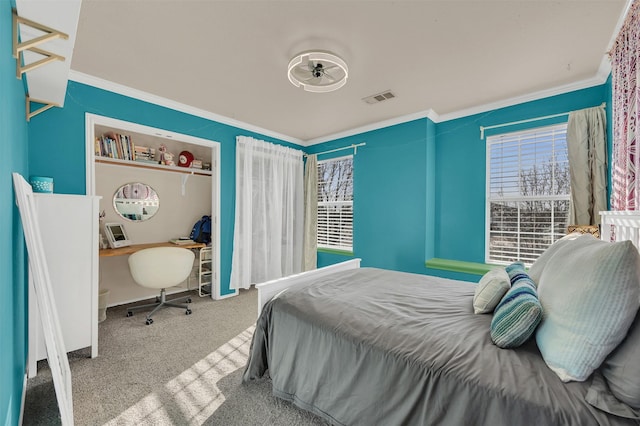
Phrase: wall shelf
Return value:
(177, 169)
(19, 47)
(44, 33)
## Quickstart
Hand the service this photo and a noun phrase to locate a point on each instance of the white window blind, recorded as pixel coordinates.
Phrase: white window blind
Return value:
(528, 190)
(335, 203)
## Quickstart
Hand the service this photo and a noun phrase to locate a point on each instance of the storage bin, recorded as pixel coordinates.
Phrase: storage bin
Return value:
(41, 183)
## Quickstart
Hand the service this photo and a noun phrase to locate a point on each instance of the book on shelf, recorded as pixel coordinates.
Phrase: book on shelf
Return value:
(115, 145)
(145, 153)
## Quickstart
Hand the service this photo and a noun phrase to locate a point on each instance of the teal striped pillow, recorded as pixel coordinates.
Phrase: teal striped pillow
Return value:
(519, 312)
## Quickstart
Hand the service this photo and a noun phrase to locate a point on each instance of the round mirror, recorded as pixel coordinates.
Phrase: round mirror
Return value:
(136, 201)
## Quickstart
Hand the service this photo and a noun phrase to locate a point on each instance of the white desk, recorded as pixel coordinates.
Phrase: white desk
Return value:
(121, 251)
(116, 277)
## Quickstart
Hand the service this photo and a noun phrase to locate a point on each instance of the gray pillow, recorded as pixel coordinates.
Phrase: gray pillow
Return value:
(599, 395)
(590, 293)
(622, 368)
(489, 291)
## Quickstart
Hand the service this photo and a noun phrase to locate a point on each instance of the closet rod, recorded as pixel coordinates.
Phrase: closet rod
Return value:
(495, 126)
(354, 146)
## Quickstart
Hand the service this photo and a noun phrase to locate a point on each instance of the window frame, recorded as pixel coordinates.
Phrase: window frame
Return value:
(494, 140)
(338, 249)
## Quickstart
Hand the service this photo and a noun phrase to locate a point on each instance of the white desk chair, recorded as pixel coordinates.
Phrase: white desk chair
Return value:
(161, 267)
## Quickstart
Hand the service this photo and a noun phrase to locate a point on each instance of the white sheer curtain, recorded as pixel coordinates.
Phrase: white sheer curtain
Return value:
(310, 252)
(587, 149)
(267, 241)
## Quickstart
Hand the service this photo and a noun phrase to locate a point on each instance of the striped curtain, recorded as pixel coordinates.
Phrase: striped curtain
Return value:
(625, 56)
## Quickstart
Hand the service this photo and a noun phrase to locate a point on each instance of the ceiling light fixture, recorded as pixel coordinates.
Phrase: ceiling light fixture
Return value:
(318, 71)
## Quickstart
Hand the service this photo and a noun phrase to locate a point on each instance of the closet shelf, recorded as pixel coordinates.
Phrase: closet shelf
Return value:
(177, 169)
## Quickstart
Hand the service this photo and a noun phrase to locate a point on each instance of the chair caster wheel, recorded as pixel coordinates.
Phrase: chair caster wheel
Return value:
(149, 321)
(188, 312)
(188, 300)
(129, 313)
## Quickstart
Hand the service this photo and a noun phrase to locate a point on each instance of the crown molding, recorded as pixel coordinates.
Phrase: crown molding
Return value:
(619, 24)
(430, 114)
(177, 106)
(559, 90)
(599, 78)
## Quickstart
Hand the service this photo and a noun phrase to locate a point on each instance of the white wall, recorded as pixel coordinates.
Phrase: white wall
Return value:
(175, 218)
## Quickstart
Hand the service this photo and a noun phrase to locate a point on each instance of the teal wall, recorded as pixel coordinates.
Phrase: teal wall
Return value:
(57, 147)
(13, 278)
(390, 195)
(419, 187)
(461, 163)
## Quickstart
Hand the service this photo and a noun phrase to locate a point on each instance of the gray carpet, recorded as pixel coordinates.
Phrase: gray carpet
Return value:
(181, 370)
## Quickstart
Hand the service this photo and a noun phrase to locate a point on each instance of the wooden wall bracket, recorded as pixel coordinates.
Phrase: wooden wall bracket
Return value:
(46, 106)
(32, 45)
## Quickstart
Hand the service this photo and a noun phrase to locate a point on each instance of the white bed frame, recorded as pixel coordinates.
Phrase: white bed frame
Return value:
(618, 225)
(267, 290)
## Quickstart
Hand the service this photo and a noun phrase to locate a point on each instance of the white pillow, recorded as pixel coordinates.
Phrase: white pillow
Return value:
(589, 291)
(492, 287)
(535, 271)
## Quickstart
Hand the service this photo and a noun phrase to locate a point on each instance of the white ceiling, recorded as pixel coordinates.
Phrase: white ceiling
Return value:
(230, 57)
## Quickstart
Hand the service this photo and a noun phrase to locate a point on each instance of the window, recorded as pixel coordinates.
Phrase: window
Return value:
(335, 203)
(528, 190)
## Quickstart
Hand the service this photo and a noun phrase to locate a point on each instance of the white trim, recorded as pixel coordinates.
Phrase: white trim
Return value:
(326, 218)
(559, 90)
(226, 296)
(604, 70)
(177, 106)
(91, 120)
(598, 79)
(270, 289)
(511, 137)
(431, 114)
(619, 24)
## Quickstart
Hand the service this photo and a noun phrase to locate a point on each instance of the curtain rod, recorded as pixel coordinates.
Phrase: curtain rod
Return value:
(354, 146)
(495, 126)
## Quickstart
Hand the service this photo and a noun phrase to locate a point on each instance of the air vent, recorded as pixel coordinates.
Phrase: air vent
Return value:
(374, 99)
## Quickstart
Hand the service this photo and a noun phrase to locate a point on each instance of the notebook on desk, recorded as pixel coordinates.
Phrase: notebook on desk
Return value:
(181, 241)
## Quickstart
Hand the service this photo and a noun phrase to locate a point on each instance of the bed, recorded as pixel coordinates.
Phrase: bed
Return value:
(367, 346)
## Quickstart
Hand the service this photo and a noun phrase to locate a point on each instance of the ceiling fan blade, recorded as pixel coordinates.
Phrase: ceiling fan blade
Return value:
(333, 67)
(329, 77)
(302, 68)
(312, 78)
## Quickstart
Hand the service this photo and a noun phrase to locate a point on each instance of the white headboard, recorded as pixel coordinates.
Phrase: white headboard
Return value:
(620, 226)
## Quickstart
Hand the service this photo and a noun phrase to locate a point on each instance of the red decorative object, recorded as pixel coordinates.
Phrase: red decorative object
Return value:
(185, 159)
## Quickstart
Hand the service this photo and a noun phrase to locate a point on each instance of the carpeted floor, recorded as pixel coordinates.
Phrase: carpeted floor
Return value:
(181, 370)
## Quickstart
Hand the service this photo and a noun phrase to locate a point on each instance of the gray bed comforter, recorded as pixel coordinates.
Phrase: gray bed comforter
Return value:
(377, 347)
